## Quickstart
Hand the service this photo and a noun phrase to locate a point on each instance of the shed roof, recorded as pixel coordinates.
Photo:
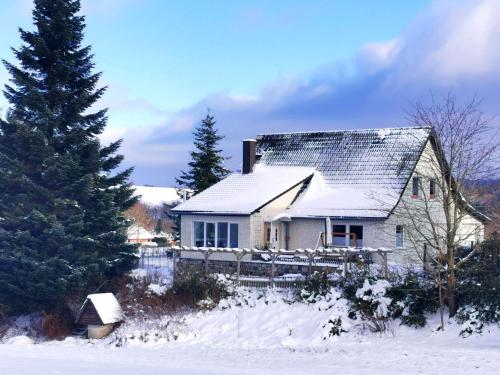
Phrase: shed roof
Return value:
(107, 307)
(245, 193)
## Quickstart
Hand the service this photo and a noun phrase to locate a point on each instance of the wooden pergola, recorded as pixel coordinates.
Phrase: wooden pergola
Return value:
(344, 253)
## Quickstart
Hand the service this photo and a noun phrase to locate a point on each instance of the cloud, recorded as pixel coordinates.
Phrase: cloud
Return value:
(452, 45)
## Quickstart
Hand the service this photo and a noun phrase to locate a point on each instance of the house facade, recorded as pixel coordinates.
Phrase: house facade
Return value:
(358, 188)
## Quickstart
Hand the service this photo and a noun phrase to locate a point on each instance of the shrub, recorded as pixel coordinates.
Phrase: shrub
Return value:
(334, 327)
(315, 285)
(478, 289)
(200, 289)
(413, 297)
(58, 323)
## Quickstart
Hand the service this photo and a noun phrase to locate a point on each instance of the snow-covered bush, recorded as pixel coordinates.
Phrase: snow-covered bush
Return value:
(371, 305)
(478, 289)
(194, 286)
(413, 296)
(334, 327)
(315, 285)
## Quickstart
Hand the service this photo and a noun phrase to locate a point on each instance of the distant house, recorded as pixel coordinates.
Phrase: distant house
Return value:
(100, 313)
(136, 233)
(313, 189)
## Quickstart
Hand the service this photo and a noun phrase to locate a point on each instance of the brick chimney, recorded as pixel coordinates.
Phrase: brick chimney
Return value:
(249, 147)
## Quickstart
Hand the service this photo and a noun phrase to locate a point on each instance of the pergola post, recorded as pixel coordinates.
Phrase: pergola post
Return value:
(384, 264)
(206, 255)
(344, 256)
(239, 256)
(273, 268)
(174, 264)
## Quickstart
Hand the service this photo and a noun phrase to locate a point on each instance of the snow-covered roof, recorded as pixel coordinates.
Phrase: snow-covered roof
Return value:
(138, 232)
(245, 193)
(341, 201)
(107, 307)
(357, 173)
(382, 157)
(155, 196)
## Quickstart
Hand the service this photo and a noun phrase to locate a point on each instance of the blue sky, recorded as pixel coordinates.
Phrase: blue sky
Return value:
(264, 66)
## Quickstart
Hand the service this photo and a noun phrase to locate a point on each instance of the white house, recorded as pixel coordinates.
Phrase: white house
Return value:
(311, 189)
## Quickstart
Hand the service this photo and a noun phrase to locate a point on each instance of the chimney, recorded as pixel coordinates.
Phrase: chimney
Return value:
(249, 146)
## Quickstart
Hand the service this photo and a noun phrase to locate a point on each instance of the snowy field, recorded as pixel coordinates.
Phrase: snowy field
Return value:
(369, 355)
(257, 333)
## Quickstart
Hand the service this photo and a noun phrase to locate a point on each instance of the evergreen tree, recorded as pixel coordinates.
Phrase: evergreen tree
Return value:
(206, 165)
(60, 201)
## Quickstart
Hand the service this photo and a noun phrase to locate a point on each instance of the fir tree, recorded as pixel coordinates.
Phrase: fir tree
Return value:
(206, 166)
(60, 202)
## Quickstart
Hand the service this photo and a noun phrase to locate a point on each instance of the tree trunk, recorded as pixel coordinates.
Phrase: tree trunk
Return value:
(451, 281)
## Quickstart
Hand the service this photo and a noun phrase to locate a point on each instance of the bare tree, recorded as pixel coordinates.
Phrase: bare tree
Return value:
(463, 149)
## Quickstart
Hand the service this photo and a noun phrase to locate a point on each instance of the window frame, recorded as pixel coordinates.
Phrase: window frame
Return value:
(347, 237)
(432, 188)
(415, 187)
(216, 225)
(400, 237)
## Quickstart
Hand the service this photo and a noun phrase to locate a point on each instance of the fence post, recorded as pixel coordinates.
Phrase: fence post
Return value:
(273, 268)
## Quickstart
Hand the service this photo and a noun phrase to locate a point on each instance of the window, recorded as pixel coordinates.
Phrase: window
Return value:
(356, 234)
(432, 188)
(416, 183)
(339, 233)
(210, 235)
(199, 233)
(234, 235)
(222, 235)
(400, 236)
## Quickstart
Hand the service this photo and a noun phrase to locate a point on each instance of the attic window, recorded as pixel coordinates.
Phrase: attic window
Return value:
(415, 187)
(432, 188)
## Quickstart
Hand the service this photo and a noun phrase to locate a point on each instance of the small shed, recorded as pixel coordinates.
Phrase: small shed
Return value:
(100, 313)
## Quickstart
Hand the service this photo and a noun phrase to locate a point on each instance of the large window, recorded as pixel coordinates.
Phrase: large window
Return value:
(339, 233)
(233, 235)
(400, 236)
(199, 233)
(210, 234)
(348, 235)
(356, 234)
(222, 234)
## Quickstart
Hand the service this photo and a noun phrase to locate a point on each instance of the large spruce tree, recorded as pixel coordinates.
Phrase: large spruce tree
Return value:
(207, 165)
(60, 199)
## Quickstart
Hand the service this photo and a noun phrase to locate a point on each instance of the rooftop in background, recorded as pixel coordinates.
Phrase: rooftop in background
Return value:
(156, 196)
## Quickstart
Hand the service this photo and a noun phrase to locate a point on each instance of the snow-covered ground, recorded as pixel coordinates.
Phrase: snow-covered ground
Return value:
(420, 354)
(258, 333)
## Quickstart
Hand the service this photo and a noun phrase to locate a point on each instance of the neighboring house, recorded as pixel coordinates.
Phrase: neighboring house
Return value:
(300, 190)
(138, 234)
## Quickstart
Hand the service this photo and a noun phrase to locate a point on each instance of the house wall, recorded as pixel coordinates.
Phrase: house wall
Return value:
(268, 212)
(244, 233)
(412, 213)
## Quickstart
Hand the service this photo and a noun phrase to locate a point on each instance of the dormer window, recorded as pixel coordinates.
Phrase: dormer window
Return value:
(415, 187)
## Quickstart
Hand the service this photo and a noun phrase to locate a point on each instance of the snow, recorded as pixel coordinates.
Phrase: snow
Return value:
(155, 196)
(138, 232)
(244, 193)
(321, 199)
(259, 333)
(107, 307)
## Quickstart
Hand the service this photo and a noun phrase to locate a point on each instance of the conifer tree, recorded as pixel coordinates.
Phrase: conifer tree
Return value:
(61, 203)
(206, 166)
